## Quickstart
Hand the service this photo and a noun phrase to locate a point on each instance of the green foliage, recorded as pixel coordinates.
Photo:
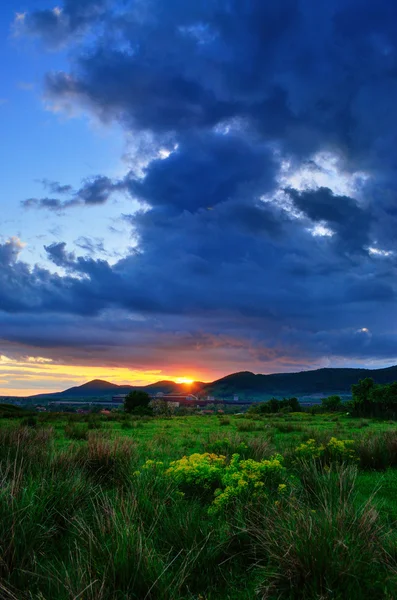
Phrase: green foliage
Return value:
(288, 427)
(120, 516)
(228, 481)
(249, 480)
(76, 431)
(137, 403)
(377, 451)
(334, 451)
(248, 425)
(107, 461)
(10, 411)
(161, 408)
(227, 446)
(375, 400)
(28, 422)
(336, 548)
(198, 472)
(275, 406)
(332, 403)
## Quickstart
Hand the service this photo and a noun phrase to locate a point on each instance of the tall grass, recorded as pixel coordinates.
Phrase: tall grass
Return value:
(323, 544)
(258, 447)
(377, 451)
(87, 520)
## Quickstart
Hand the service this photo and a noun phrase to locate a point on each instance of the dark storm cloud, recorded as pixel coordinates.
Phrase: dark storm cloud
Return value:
(241, 95)
(205, 171)
(341, 213)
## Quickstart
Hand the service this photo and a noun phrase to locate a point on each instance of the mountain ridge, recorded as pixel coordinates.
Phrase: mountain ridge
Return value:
(323, 381)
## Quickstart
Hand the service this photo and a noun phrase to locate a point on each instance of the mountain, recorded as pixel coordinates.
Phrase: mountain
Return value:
(245, 385)
(304, 383)
(99, 389)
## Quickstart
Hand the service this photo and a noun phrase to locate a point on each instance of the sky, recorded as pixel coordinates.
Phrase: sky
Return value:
(195, 188)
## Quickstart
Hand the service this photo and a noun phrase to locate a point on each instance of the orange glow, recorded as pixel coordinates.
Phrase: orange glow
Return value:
(185, 380)
(37, 375)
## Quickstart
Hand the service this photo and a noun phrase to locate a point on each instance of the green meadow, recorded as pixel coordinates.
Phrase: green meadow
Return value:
(206, 507)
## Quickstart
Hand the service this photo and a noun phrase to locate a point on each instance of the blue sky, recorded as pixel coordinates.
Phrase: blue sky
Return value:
(191, 189)
(38, 141)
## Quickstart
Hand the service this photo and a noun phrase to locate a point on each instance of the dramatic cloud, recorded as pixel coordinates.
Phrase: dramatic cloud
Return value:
(205, 171)
(238, 100)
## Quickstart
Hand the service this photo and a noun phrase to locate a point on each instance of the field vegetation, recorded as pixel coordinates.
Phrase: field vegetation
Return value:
(271, 506)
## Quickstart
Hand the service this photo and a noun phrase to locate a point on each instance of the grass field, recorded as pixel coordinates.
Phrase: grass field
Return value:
(107, 508)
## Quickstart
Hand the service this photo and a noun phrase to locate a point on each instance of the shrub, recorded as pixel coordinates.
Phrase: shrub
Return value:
(208, 474)
(334, 451)
(223, 421)
(198, 472)
(137, 402)
(249, 479)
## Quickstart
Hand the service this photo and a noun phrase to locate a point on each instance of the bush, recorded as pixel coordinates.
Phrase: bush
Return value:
(334, 451)
(198, 473)
(249, 480)
(137, 402)
(212, 477)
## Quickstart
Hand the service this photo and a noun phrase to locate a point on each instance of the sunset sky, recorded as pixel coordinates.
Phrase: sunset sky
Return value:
(190, 189)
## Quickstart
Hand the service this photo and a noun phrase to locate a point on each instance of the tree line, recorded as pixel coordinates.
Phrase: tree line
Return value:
(368, 400)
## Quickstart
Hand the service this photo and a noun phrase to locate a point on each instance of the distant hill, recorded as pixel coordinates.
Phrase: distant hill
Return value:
(304, 383)
(97, 388)
(244, 385)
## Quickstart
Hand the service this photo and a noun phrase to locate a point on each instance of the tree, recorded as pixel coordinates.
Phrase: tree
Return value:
(137, 402)
(332, 403)
(161, 408)
(362, 393)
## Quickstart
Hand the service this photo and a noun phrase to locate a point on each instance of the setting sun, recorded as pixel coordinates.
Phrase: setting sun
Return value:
(186, 380)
